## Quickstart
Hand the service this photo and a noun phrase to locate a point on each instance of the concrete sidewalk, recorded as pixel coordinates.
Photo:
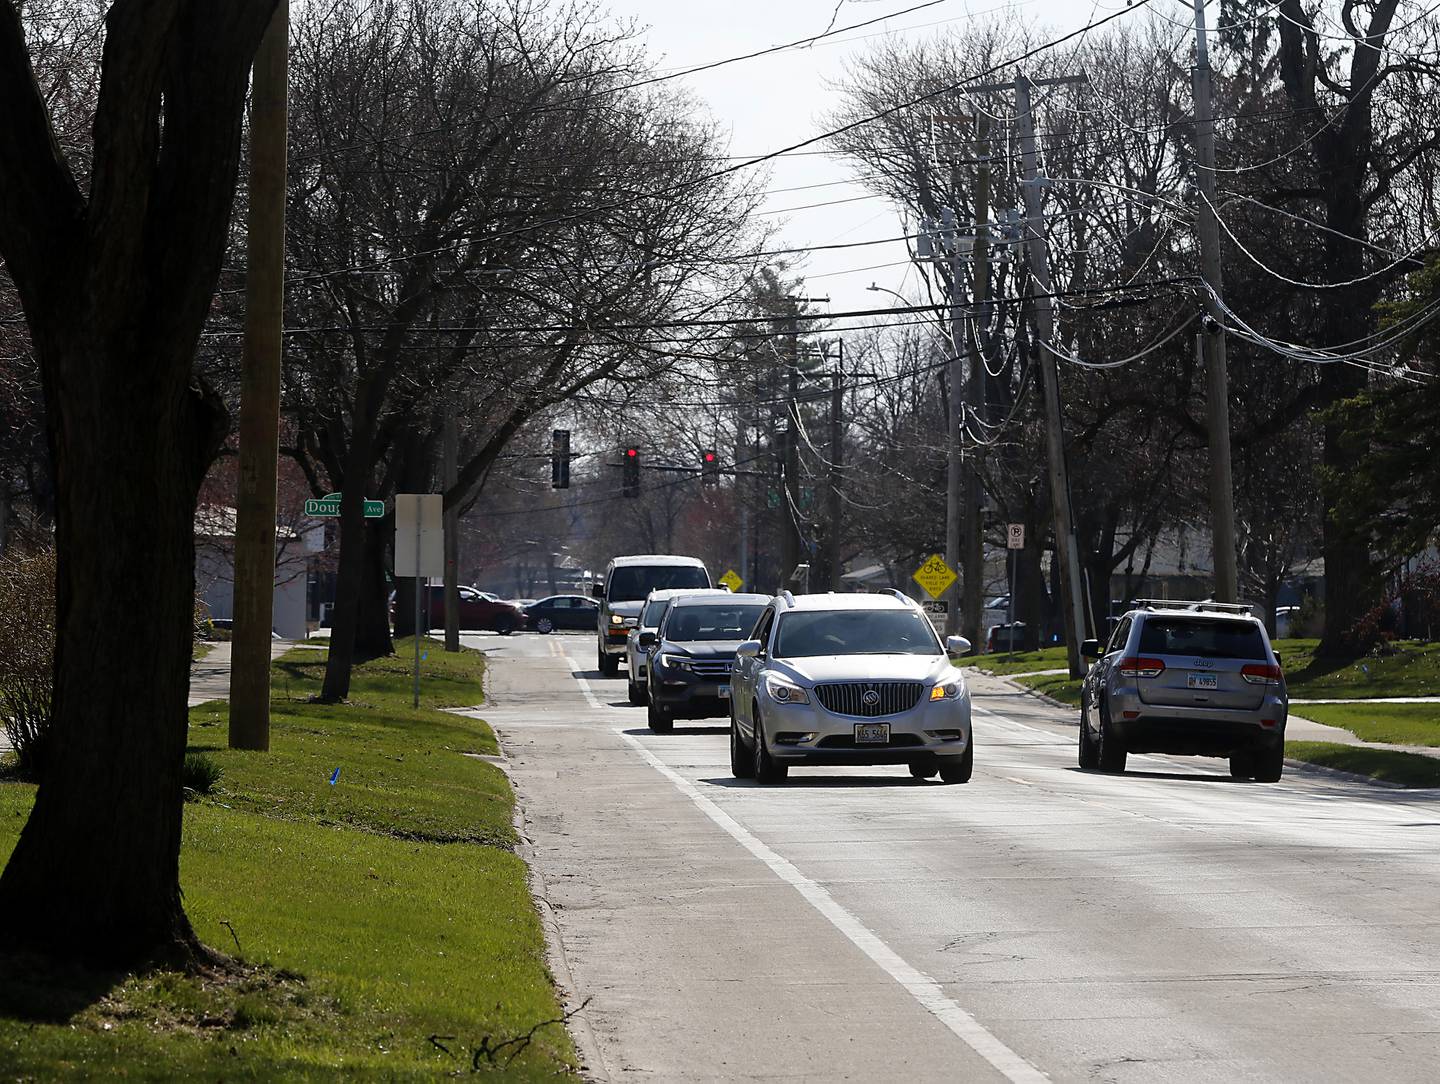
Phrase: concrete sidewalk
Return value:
(210, 676)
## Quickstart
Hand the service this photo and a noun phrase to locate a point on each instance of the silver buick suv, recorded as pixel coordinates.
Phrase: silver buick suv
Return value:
(848, 679)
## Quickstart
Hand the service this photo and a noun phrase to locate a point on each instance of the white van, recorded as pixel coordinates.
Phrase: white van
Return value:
(622, 593)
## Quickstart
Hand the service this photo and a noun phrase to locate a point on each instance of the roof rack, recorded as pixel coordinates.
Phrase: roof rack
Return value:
(897, 593)
(788, 597)
(1201, 605)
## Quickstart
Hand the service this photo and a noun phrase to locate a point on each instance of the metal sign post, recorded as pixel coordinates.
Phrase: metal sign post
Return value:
(1014, 543)
(419, 551)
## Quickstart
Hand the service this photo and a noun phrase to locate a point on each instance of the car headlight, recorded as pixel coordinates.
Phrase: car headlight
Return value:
(948, 691)
(616, 619)
(783, 692)
(675, 662)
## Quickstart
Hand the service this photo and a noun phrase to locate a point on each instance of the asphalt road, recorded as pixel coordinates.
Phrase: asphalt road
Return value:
(1170, 924)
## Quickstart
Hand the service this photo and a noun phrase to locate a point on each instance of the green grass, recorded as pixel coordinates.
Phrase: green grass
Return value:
(1406, 769)
(376, 912)
(1401, 724)
(1060, 687)
(1407, 668)
(1020, 662)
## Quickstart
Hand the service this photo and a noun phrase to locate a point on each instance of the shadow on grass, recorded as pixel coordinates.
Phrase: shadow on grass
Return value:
(40, 990)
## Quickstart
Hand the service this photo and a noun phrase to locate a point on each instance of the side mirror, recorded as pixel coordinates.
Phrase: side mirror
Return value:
(1090, 649)
(646, 640)
(597, 590)
(955, 646)
(748, 650)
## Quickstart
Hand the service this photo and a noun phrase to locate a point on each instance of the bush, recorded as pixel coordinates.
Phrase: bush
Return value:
(27, 655)
(200, 773)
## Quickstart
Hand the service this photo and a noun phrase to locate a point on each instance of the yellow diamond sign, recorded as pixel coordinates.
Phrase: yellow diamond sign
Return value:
(732, 580)
(935, 576)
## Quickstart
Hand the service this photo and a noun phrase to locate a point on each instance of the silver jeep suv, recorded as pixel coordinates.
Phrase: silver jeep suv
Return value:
(848, 679)
(1196, 678)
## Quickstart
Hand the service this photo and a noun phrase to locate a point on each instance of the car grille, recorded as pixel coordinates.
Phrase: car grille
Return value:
(711, 668)
(850, 697)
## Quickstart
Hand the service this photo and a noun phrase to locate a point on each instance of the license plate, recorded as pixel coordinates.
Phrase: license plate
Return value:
(723, 692)
(1202, 681)
(872, 733)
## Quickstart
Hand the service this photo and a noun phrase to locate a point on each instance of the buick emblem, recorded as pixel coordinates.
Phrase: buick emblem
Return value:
(870, 698)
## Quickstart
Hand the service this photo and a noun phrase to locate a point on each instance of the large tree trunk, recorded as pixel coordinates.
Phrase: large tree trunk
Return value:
(130, 455)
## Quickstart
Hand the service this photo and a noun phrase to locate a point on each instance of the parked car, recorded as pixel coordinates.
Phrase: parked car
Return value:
(479, 611)
(562, 612)
(692, 652)
(627, 583)
(849, 679)
(651, 614)
(1005, 637)
(1197, 679)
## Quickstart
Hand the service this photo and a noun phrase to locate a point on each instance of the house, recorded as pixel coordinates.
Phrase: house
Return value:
(215, 568)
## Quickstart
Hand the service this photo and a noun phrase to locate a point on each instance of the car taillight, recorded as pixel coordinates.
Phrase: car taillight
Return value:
(1260, 673)
(1146, 668)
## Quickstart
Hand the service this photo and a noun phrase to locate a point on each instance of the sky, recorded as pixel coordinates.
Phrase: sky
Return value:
(781, 99)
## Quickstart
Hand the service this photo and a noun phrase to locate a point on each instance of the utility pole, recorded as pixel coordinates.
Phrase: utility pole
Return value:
(1067, 551)
(1212, 334)
(254, 590)
(831, 560)
(790, 466)
(973, 521)
(450, 452)
(954, 486)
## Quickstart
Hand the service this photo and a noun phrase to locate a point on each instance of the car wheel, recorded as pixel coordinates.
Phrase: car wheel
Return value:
(661, 721)
(1268, 764)
(960, 769)
(609, 665)
(1089, 753)
(741, 765)
(1110, 754)
(1241, 764)
(636, 693)
(923, 769)
(505, 626)
(765, 769)
(545, 625)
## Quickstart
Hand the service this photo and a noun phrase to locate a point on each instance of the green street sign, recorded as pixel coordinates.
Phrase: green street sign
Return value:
(329, 507)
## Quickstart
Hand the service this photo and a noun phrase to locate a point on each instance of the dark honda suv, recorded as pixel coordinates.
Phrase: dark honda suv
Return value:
(1197, 678)
(689, 658)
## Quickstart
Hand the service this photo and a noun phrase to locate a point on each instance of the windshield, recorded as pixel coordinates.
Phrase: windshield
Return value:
(1204, 639)
(631, 583)
(691, 623)
(855, 632)
(653, 613)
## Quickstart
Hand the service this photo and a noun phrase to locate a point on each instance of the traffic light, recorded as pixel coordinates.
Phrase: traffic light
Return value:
(560, 459)
(630, 471)
(709, 468)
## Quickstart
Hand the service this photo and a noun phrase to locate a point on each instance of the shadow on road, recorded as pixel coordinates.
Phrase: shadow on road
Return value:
(827, 782)
(680, 731)
(1179, 777)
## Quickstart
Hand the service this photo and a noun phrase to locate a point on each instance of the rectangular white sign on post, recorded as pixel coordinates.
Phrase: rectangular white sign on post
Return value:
(1015, 536)
(419, 535)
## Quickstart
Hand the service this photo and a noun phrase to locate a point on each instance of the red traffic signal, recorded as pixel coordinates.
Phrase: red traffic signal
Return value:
(709, 468)
(630, 472)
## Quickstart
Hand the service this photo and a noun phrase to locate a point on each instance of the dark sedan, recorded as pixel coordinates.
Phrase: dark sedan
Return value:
(563, 612)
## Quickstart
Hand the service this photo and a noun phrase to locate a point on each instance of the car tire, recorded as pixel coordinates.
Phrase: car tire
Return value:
(923, 769)
(742, 766)
(1268, 765)
(505, 626)
(609, 665)
(1089, 750)
(661, 721)
(1242, 764)
(545, 626)
(1110, 754)
(636, 693)
(961, 768)
(765, 768)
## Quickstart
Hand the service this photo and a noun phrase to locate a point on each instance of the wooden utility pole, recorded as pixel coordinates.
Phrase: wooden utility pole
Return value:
(254, 589)
(1067, 551)
(954, 487)
(831, 562)
(973, 521)
(451, 454)
(1212, 335)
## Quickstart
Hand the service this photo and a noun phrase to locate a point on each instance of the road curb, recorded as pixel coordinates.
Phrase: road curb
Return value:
(587, 1046)
(1049, 701)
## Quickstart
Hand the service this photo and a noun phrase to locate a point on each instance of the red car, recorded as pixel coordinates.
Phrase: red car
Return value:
(479, 611)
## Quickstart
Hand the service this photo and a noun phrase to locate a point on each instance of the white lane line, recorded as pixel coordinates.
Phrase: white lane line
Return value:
(920, 986)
